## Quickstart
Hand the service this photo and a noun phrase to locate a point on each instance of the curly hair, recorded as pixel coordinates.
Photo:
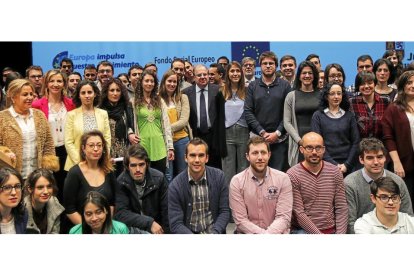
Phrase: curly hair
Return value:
(155, 100)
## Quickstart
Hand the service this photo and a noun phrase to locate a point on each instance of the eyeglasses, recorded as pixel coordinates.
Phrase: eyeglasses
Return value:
(333, 76)
(36, 76)
(90, 75)
(317, 148)
(103, 71)
(92, 146)
(268, 63)
(8, 188)
(248, 65)
(386, 199)
(332, 94)
(202, 75)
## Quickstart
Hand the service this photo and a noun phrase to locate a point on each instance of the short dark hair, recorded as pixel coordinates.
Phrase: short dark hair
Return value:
(75, 73)
(268, 54)
(363, 77)
(390, 67)
(177, 60)
(255, 140)
(224, 57)
(33, 67)
(385, 183)
(371, 144)
(287, 57)
(136, 151)
(136, 66)
(196, 142)
(89, 67)
(66, 59)
(101, 202)
(345, 105)
(311, 56)
(364, 58)
(105, 63)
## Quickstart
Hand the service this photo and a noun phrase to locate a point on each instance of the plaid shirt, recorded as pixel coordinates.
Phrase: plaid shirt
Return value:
(201, 221)
(369, 120)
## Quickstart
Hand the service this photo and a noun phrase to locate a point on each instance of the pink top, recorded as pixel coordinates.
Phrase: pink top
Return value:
(261, 207)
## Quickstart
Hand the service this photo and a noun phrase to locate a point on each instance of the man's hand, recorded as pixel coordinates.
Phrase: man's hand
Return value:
(271, 137)
(156, 228)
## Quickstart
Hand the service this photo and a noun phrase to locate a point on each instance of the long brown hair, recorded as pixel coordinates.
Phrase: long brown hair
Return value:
(139, 91)
(104, 163)
(241, 88)
(401, 100)
(163, 90)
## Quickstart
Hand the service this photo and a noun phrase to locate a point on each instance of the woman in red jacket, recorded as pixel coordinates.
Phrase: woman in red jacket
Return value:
(398, 129)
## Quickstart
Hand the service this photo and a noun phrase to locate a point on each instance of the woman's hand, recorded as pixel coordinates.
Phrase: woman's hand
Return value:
(170, 155)
(133, 138)
(399, 170)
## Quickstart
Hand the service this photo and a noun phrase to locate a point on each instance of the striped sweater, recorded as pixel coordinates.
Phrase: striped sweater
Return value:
(319, 201)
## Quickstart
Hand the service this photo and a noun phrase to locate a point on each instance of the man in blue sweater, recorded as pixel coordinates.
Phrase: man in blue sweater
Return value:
(198, 198)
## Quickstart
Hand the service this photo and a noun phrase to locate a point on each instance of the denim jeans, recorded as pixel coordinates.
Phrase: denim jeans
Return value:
(179, 164)
(235, 161)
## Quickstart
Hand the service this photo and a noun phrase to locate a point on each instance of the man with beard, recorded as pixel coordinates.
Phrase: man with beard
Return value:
(141, 198)
(263, 109)
(105, 72)
(249, 69)
(319, 202)
(178, 66)
(372, 155)
(261, 197)
(66, 66)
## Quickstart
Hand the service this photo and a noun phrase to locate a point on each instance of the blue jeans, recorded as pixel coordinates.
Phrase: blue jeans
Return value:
(179, 164)
(235, 161)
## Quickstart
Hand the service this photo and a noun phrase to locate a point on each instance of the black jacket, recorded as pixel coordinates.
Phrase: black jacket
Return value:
(154, 201)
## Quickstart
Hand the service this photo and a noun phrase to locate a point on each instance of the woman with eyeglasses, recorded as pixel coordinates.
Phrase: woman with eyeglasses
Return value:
(93, 173)
(385, 75)
(84, 118)
(43, 208)
(115, 101)
(13, 215)
(96, 217)
(152, 124)
(338, 127)
(368, 106)
(55, 105)
(300, 104)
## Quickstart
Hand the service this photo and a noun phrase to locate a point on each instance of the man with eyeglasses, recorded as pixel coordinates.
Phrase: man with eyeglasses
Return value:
(249, 69)
(372, 155)
(134, 73)
(34, 74)
(263, 109)
(178, 66)
(385, 218)
(105, 72)
(319, 202)
(203, 112)
(66, 66)
(261, 197)
(141, 198)
(89, 72)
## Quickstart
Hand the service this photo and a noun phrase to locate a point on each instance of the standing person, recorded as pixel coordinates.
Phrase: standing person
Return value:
(178, 113)
(264, 106)
(74, 78)
(34, 74)
(386, 218)
(314, 58)
(189, 73)
(26, 132)
(178, 66)
(261, 197)
(398, 129)
(123, 77)
(84, 118)
(385, 75)
(198, 199)
(89, 72)
(236, 130)
(115, 101)
(43, 208)
(368, 106)
(55, 105)
(134, 74)
(337, 125)
(319, 202)
(93, 173)
(13, 215)
(299, 107)
(202, 97)
(66, 66)
(396, 61)
(151, 122)
(96, 217)
(141, 196)
(249, 70)
(288, 69)
(105, 71)
(357, 185)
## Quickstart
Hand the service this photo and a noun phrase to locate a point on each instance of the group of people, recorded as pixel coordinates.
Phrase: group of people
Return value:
(293, 151)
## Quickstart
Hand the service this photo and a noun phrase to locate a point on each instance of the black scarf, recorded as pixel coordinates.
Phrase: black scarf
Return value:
(116, 112)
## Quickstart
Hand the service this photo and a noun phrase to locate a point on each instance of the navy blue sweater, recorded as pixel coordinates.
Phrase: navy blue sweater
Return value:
(341, 138)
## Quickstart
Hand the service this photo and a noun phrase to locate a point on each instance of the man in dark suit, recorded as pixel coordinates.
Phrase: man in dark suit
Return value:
(203, 112)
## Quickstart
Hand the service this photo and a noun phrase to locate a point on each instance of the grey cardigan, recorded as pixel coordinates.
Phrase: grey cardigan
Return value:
(291, 126)
(54, 210)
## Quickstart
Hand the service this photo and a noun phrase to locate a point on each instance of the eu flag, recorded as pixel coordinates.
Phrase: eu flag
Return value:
(239, 50)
